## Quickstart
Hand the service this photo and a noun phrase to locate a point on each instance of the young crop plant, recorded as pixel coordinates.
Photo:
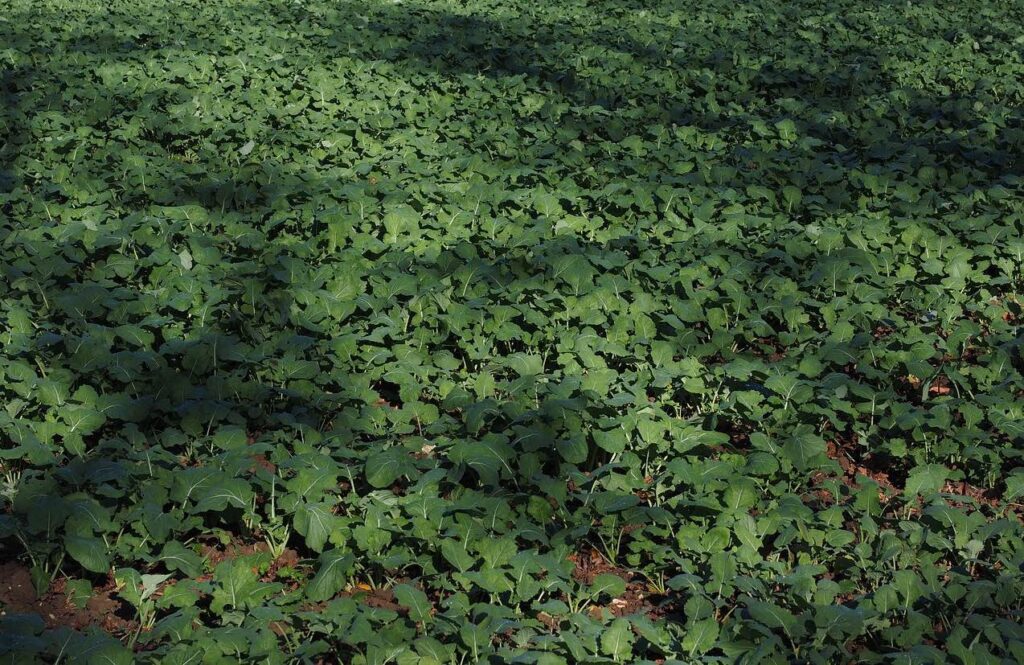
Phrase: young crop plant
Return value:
(434, 332)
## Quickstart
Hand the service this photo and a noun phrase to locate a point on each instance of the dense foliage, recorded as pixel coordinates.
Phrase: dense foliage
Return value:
(583, 331)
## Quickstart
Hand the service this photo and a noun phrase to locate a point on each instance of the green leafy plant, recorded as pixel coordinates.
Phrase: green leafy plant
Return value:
(432, 332)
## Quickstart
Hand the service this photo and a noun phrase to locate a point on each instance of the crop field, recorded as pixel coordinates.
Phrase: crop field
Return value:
(428, 332)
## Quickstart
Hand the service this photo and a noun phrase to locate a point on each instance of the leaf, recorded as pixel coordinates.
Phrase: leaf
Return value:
(176, 556)
(52, 392)
(651, 431)
(700, 637)
(401, 219)
(612, 441)
(89, 551)
(497, 551)
(331, 575)
(476, 638)
(785, 385)
(315, 521)
(608, 583)
(415, 601)
(771, 615)
(86, 515)
(247, 148)
(547, 204)
(136, 335)
(804, 451)
(574, 645)
(238, 585)
(908, 585)
(489, 458)
(151, 583)
(791, 195)
(128, 581)
(1014, 487)
(693, 437)
(217, 497)
(839, 621)
(617, 640)
(433, 651)
(108, 653)
(491, 580)
(384, 468)
(455, 554)
(613, 502)
(925, 479)
(82, 419)
(573, 449)
(229, 438)
(740, 495)
(78, 592)
(787, 130)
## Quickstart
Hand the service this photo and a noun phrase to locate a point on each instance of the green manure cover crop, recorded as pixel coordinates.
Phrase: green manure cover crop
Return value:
(433, 332)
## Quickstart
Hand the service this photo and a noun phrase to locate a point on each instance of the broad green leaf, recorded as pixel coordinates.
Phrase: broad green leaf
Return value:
(176, 556)
(455, 553)
(908, 585)
(925, 479)
(232, 492)
(89, 551)
(608, 584)
(476, 638)
(617, 640)
(804, 451)
(331, 574)
(384, 468)
(700, 636)
(488, 458)
(613, 441)
(573, 449)
(787, 130)
(415, 601)
(1014, 487)
(237, 586)
(315, 522)
(82, 419)
(771, 615)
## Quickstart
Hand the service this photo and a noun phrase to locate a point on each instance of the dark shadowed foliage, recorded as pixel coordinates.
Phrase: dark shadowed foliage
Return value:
(429, 332)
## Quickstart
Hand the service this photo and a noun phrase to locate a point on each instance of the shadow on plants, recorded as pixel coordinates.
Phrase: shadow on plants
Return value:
(380, 242)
